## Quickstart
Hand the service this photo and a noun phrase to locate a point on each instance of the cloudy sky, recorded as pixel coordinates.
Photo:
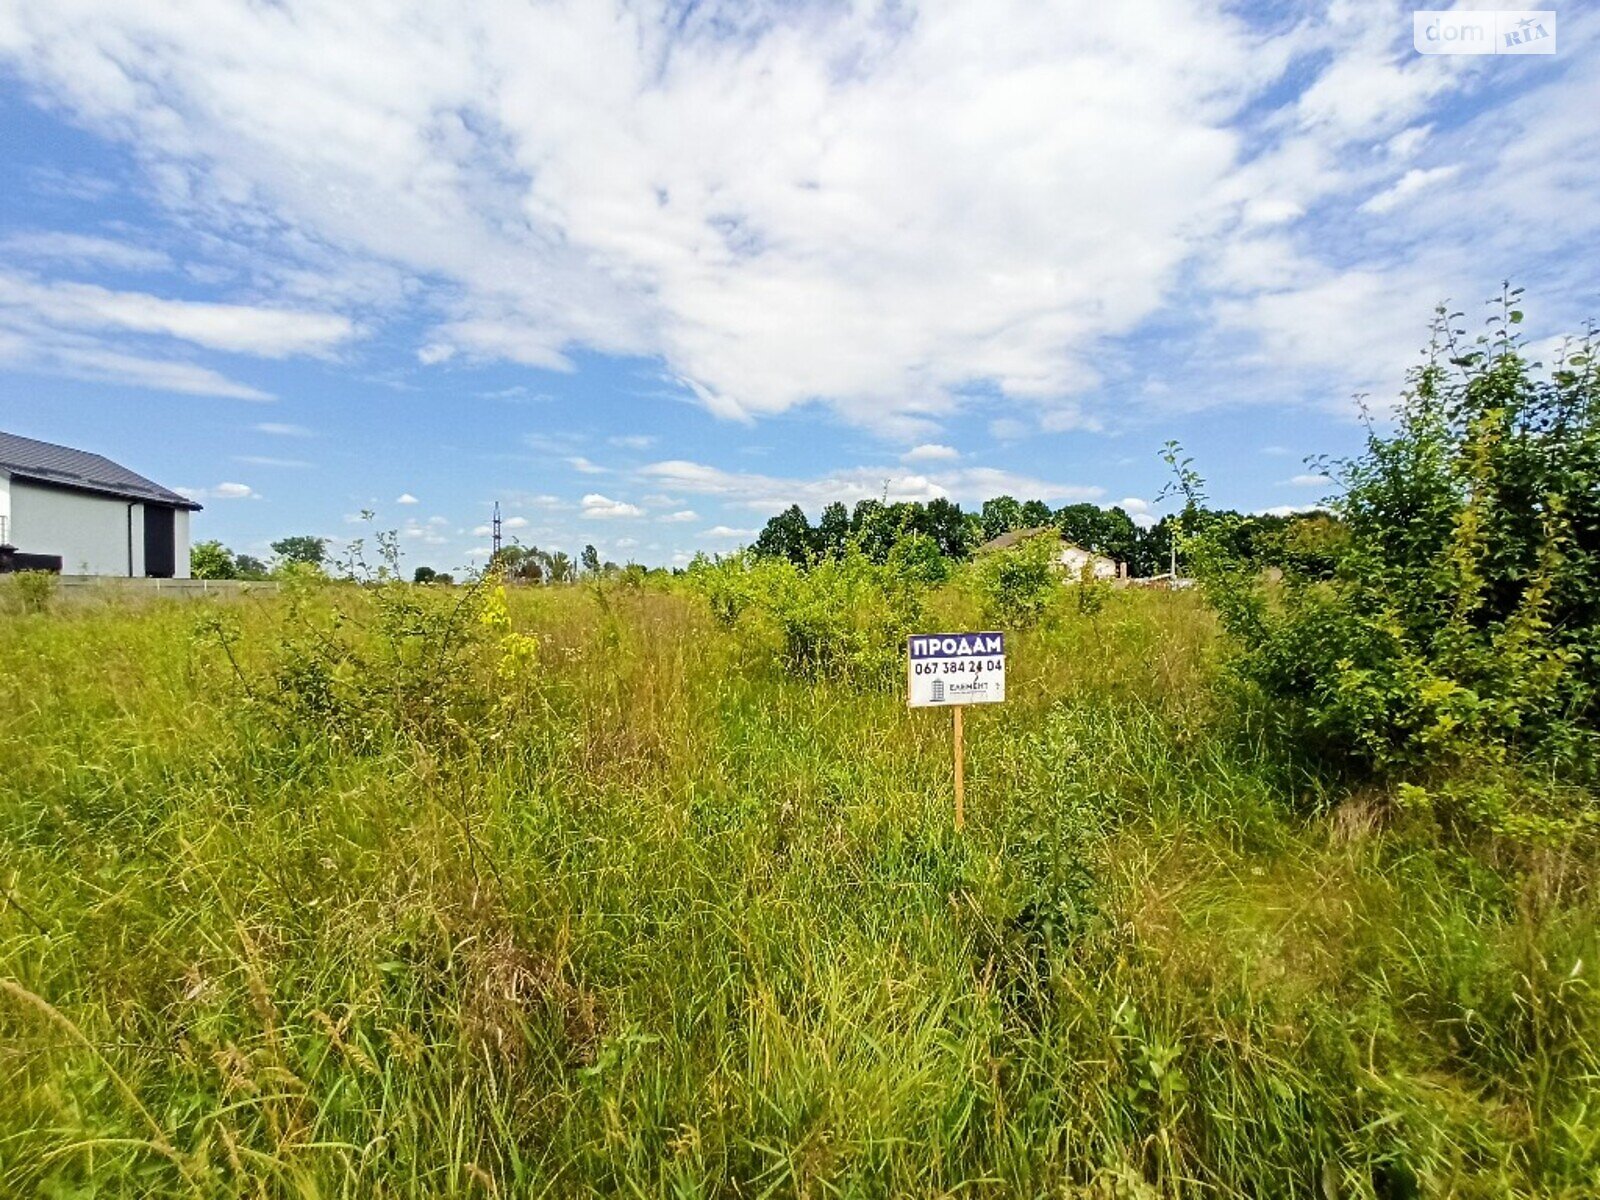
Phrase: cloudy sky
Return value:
(646, 273)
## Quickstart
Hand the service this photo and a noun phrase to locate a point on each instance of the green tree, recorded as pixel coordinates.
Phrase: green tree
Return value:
(424, 575)
(788, 535)
(882, 526)
(1035, 513)
(1108, 531)
(526, 563)
(304, 548)
(947, 525)
(1000, 515)
(833, 530)
(248, 566)
(864, 514)
(590, 558)
(559, 568)
(212, 560)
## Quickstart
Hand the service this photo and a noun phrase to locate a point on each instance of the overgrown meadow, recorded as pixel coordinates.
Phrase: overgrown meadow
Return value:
(650, 887)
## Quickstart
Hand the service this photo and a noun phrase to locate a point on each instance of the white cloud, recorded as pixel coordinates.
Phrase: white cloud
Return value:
(279, 429)
(221, 491)
(1067, 417)
(1408, 185)
(598, 507)
(1265, 210)
(1408, 141)
(515, 523)
(1007, 429)
(262, 460)
(1358, 328)
(730, 193)
(633, 441)
(428, 534)
(539, 500)
(584, 467)
(83, 359)
(84, 250)
(686, 514)
(1310, 480)
(930, 452)
(870, 207)
(726, 531)
(406, 498)
(434, 353)
(238, 328)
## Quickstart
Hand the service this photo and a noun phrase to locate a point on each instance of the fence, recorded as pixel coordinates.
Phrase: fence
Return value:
(107, 586)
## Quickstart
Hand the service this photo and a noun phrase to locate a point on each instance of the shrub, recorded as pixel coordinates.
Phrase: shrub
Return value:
(212, 560)
(1461, 615)
(34, 590)
(1017, 584)
(844, 617)
(356, 667)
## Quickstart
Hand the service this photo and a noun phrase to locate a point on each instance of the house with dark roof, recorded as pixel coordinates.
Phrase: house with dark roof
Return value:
(82, 514)
(1072, 559)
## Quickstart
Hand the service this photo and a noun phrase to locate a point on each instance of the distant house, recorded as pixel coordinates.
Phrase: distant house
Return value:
(1072, 558)
(75, 512)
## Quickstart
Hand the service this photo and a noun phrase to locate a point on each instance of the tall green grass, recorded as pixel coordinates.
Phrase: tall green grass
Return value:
(681, 924)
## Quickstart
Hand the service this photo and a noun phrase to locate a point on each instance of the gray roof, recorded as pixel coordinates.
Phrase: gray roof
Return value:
(1006, 540)
(1016, 536)
(61, 466)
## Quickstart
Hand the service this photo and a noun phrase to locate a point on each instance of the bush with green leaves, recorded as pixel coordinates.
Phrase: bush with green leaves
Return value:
(31, 591)
(1460, 619)
(362, 667)
(1016, 585)
(212, 560)
(843, 617)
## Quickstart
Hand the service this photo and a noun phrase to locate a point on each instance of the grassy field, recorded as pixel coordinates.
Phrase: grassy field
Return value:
(299, 904)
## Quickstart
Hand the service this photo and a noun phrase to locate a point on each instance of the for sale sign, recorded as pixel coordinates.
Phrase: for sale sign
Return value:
(955, 668)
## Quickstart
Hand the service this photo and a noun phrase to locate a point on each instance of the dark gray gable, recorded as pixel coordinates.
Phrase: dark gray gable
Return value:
(61, 466)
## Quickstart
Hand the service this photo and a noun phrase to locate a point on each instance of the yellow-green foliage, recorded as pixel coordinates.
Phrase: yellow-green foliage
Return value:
(844, 617)
(1018, 584)
(413, 892)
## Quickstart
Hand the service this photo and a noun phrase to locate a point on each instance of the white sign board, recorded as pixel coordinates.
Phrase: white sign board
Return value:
(955, 668)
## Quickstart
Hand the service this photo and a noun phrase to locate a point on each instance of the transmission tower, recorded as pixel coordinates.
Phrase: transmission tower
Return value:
(496, 554)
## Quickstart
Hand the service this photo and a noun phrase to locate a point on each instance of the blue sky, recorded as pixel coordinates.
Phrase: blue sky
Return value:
(647, 273)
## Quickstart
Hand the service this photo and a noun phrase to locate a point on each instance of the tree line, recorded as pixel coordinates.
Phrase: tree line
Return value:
(307, 553)
(1305, 539)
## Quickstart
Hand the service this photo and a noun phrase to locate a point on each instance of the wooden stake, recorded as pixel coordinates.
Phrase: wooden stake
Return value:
(961, 782)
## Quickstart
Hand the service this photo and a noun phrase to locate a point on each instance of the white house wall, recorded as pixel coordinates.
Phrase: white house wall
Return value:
(90, 533)
(1073, 558)
(5, 506)
(180, 544)
(136, 531)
